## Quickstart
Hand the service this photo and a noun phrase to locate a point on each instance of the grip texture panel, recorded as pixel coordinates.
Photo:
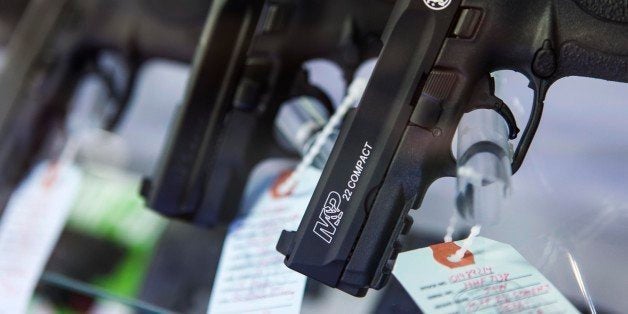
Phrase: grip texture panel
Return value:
(576, 60)
(611, 10)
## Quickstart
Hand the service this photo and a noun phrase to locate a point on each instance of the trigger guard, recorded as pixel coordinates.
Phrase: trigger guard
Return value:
(541, 87)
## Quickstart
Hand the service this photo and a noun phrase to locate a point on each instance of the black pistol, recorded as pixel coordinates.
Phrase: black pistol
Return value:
(249, 61)
(51, 46)
(433, 68)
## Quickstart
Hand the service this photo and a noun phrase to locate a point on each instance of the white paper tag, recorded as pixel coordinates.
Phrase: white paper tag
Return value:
(492, 278)
(29, 229)
(251, 275)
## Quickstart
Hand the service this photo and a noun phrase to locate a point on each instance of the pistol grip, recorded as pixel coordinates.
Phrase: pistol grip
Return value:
(576, 59)
(609, 10)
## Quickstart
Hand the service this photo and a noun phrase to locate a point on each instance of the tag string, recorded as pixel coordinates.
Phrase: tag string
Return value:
(466, 244)
(356, 89)
(451, 228)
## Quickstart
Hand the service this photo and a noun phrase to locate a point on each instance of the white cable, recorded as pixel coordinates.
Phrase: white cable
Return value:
(356, 89)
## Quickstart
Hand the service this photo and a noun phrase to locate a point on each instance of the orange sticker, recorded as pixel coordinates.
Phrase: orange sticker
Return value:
(274, 190)
(443, 250)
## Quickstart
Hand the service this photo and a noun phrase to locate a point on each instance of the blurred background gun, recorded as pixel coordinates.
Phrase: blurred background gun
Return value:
(249, 62)
(52, 45)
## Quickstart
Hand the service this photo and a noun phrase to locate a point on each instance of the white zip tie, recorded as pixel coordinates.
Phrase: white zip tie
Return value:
(457, 257)
(356, 89)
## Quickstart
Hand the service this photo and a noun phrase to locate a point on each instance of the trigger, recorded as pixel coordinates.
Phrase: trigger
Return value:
(504, 111)
(484, 98)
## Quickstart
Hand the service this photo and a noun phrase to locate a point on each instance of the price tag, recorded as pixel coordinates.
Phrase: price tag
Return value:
(491, 278)
(29, 229)
(251, 276)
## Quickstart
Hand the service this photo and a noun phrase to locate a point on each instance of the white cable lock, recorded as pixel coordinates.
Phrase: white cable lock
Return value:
(356, 89)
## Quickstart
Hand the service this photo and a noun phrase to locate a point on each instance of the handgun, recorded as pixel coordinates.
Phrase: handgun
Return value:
(433, 68)
(248, 63)
(52, 45)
